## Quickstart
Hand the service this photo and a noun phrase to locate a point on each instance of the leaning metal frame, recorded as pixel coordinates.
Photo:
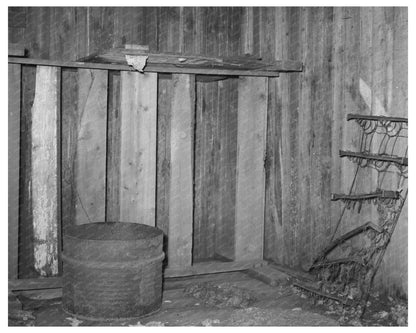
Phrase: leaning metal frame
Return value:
(338, 277)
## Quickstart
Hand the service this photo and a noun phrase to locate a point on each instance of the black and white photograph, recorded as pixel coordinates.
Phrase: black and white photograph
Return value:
(222, 165)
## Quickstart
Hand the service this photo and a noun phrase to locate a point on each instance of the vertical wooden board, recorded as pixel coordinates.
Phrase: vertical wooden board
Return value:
(305, 137)
(37, 32)
(151, 15)
(199, 158)
(138, 147)
(26, 260)
(163, 154)
(326, 77)
(128, 26)
(271, 201)
(63, 34)
(101, 28)
(249, 222)
(180, 199)
(247, 30)
(112, 204)
(14, 86)
(169, 30)
(338, 117)
(292, 219)
(45, 169)
(69, 125)
(284, 155)
(227, 108)
(234, 30)
(274, 236)
(90, 164)
(81, 38)
(16, 24)
(189, 29)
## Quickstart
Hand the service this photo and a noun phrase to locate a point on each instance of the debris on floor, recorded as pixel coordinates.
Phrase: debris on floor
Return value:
(210, 322)
(154, 323)
(380, 311)
(74, 321)
(254, 316)
(21, 318)
(399, 313)
(221, 295)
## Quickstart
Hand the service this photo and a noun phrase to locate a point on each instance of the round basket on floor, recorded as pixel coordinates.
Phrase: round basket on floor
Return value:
(112, 270)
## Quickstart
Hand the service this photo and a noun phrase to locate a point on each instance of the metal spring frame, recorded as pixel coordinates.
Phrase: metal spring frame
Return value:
(390, 203)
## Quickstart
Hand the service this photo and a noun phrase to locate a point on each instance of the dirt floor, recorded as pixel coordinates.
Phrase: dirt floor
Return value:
(227, 299)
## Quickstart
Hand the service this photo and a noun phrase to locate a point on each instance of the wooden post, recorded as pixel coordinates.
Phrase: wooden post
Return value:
(90, 156)
(251, 134)
(180, 199)
(45, 112)
(14, 154)
(138, 147)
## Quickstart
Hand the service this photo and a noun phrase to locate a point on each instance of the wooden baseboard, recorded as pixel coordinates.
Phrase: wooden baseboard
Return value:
(37, 283)
(212, 267)
(197, 269)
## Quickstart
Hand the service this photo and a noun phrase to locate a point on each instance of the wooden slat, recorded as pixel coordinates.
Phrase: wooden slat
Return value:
(26, 260)
(249, 222)
(90, 157)
(163, 155)
(149, 68)
(212, 267)
(45, 170)
(180, 199)
(69, 121)
(112, 204)
(14, 86)
(138, 147)
(34, 284)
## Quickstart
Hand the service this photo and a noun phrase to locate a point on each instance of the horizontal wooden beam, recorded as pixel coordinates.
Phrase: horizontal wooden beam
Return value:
(196, 269)
(118, 56)
(149, 68)
(212, 267)
(36, 283)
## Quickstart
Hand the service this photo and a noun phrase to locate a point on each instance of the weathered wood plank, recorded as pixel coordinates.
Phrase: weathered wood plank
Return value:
(112, 204)
(212, 267)
(26, 260)
(14, 86)
(290, 134)
(163, 155)
(35, 284)
(181, 189)
(249, 222)
(69, 125)
(305, 139)
(45, 170)
(138, 147)
(148, 68)
(274, 235)
(90, 164)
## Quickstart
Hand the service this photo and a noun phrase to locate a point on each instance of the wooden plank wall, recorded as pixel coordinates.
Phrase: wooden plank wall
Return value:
(45, 169)
(181, 191)
(138, 147)
(250, 191)
(347, 52)
(14, 90)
